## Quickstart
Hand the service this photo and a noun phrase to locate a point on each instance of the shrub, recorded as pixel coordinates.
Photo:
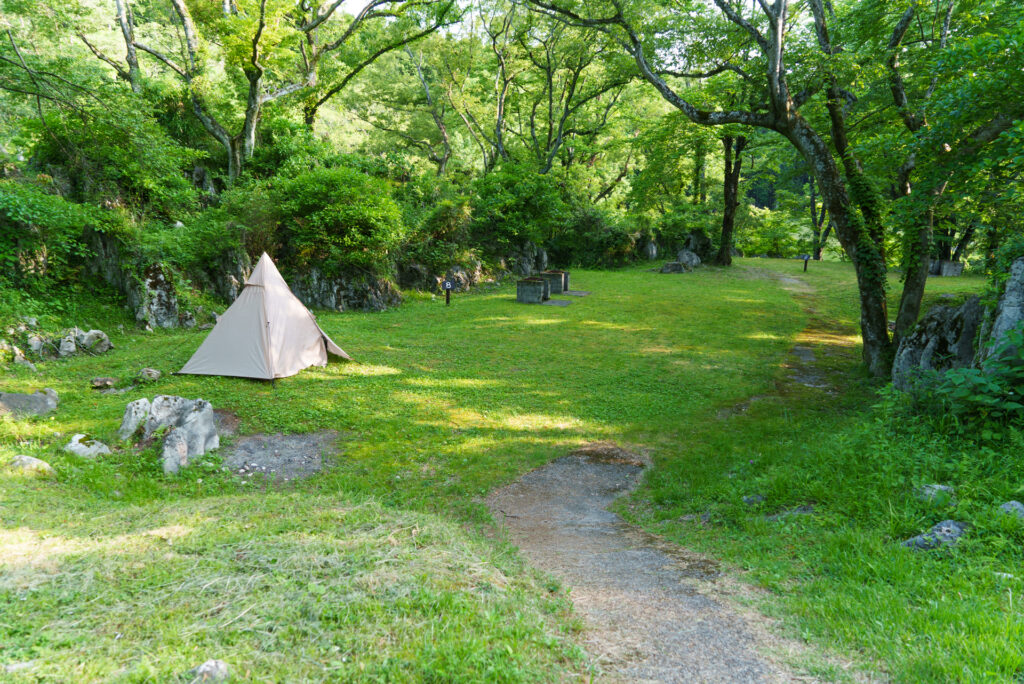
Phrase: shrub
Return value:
(982, 401)
(41, 235)
(441, 239)
(514, 204)
(339, 220)
(593, 238)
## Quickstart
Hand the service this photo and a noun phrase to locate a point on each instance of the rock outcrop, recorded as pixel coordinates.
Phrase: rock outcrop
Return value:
(1008, 315)
(344, 294)
(944, 339)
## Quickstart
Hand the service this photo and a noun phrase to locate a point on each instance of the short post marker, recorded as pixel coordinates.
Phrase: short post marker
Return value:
(447, 286)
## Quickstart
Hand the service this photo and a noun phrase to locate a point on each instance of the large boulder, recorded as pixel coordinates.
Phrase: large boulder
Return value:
(688, 259)
(942, 340)
(35, 404)
(524, 259)
(1009, 312)
(650, 250)
(191, 423)
(85, 447)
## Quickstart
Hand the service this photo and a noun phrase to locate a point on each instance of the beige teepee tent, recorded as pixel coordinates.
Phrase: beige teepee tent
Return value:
(267, 333)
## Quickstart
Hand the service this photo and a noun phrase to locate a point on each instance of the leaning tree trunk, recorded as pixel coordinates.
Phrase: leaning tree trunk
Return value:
(860, 242)
(730, 187)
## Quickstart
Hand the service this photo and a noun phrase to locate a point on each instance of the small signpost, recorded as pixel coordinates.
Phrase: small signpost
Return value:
(447, 286)
(807, 257)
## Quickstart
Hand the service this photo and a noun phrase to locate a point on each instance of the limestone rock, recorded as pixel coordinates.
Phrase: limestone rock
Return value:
(93, 341)
(31, 465)
(935, 493)
(158, 301)
(35, 404)
(343, 293)
(192, 427)
(149, 374)
(944, 339)
(1013, 508)
(102, 382)
(86, 448)
(688, 259)
(134, 415)
(22, 361)
(1009, 312)
(649, 251)
(210, 672)
(753, 499)
(541, 262)
(942, 534)
(673, 267)
(36, 344)
(175, 451)
(67, 346)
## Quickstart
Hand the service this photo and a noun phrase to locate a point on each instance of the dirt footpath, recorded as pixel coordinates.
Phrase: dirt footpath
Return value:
(650, 607)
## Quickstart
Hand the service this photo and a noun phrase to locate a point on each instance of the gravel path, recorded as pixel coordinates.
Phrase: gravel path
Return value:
(650, 607)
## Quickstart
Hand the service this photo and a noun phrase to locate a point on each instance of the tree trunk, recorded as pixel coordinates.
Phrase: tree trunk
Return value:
(730, 191)
(857, 239)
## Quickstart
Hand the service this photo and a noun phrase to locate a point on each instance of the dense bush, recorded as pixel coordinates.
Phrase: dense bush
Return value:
(441, 239)
(122, 158)
(339, 220)
(771, 233)
(41, 234)
(673, 229)
(592, 237)
(514, 204)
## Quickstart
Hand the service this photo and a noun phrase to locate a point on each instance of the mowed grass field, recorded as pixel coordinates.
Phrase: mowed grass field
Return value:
(387, 566)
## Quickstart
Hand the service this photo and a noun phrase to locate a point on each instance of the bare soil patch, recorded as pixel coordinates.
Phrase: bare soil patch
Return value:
(280, 457)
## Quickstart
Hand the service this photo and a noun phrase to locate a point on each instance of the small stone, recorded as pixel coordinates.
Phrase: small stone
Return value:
(942, 534)
(22, 361)
(30, 321)
(210, 672)
(103, 382)
(1003, 575)
(753, 499)
(31, 465)
(36, 343)
(935, 493)
(86, 448)
(205, 326)
(799, 510)
(149, 374)
(1013, 508)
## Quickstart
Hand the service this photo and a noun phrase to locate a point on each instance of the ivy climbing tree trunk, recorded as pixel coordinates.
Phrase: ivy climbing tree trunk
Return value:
(730, 187)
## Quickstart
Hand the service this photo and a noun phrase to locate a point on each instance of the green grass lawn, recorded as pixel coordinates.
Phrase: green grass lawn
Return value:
(385, 566)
